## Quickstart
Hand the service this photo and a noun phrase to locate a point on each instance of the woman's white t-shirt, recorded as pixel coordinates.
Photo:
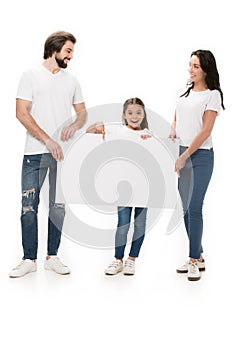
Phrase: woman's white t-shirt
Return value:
(189, 115)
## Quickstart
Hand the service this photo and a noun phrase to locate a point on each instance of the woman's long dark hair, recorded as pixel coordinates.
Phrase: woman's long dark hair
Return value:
(135, 101)
(208, 65)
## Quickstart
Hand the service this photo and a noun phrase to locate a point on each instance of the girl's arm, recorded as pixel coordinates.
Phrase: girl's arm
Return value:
(208, 124)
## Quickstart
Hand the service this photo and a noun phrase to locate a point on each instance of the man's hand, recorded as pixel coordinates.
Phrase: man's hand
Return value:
(55, 149)
(68, 132)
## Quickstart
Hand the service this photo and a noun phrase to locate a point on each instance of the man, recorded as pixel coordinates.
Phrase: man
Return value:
(44, 103)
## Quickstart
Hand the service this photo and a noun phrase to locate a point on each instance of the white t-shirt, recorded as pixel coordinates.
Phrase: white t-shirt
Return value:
(120, 131)
(52, 97)
(189, 115)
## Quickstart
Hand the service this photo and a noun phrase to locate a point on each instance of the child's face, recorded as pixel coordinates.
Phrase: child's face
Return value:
(134, 115)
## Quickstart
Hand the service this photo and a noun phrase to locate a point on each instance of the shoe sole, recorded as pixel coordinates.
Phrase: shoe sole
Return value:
(22, 275)
(128, 274)
(112, 274)
(193, 279)
(185, 271)
(58, 273)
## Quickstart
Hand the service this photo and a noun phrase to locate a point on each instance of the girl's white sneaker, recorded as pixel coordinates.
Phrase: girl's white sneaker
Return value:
(115, 267)
(129, 267)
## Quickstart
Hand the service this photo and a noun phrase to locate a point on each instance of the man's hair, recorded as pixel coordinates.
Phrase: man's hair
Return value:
(55, 42)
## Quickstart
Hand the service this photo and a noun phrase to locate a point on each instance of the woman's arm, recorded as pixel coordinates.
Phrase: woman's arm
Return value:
(172, 134)
(208, 124)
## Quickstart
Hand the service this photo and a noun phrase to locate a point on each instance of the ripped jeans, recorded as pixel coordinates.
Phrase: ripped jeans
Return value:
(34, 170)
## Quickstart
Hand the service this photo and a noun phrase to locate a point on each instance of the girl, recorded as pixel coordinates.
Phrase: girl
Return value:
(195, 115)
(134, 120)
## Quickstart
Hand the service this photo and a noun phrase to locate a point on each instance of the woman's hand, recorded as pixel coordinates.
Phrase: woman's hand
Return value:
(180, 162)
(172, 134)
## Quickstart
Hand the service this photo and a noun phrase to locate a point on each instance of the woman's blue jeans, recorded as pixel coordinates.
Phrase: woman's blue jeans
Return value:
(193, 183)
(34, 170)
(124, 219)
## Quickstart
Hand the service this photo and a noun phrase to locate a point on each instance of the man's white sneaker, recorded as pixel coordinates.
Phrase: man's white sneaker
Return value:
(24, 267)
(115, 267)
(54, 264)
(184, 268)
(193, 272)
(129, 267)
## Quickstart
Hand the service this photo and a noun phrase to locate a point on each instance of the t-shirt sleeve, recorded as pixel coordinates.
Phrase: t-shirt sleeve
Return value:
(25, 90)
(78, 97)
(214, 102)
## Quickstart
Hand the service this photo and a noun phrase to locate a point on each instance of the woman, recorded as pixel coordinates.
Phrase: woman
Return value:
(195, 116)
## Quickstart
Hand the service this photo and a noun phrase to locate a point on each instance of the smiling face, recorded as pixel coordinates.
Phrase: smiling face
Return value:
(197, 75)
(134, 116)
(65, 55)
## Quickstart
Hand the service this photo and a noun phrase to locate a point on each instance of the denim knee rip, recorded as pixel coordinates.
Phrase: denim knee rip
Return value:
(28, 197)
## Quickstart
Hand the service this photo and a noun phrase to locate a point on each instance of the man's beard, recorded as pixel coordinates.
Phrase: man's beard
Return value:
(60, 62)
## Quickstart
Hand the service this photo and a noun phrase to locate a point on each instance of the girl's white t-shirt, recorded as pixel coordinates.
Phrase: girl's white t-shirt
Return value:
(52, 97)
(189, 115)
(120, 131)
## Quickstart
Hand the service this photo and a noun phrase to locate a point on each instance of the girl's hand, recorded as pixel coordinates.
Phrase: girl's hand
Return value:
(180, 162)
(145, 136)
(97, 128)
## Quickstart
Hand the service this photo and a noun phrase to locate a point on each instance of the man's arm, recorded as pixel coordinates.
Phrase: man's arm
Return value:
(81, 117)
(23, 108)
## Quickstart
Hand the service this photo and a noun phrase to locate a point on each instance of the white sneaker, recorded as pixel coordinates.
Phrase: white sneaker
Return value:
(184, 268)
(115, 267)
(54, 264)
(129, 267)
(24, 267)
(193, 272)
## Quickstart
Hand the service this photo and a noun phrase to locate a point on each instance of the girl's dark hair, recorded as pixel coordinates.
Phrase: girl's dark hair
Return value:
(55, 42)
(135, 101)
(208, 65)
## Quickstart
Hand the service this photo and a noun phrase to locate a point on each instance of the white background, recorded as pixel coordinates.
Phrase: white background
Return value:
(124, 49)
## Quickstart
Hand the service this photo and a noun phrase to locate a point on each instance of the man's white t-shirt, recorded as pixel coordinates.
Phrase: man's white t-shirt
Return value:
(189, 115)
(52, 97)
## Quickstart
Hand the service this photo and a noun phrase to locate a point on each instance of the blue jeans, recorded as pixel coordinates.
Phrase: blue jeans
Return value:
(34, 170)
(193, 183)
(124, 219)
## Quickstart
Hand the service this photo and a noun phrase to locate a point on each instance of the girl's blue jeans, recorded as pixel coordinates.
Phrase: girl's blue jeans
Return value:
(124, 219)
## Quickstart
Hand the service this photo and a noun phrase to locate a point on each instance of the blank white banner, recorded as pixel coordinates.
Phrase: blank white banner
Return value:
(118, 172)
